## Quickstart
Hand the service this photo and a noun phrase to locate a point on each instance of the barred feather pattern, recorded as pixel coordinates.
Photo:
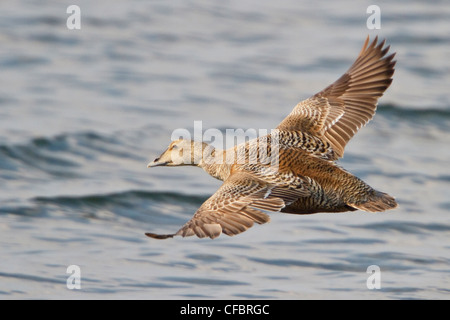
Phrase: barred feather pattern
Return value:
(305, 145)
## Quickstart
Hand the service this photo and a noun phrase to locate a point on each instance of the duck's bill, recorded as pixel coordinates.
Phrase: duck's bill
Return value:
(157, 164)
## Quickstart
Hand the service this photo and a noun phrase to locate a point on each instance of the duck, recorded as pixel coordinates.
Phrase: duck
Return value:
(294, 168)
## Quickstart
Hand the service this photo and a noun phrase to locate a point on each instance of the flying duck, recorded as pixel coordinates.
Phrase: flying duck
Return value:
(297, 173)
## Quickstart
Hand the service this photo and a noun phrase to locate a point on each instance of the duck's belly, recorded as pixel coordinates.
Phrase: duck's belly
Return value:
(310, 206)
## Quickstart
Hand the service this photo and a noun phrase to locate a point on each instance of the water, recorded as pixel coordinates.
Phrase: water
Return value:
(83, 112)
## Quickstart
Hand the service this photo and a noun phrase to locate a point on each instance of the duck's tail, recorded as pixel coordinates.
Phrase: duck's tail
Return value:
(376, 202)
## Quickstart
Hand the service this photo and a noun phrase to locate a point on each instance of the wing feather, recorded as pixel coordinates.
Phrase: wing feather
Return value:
(337, 113)
(236, 206)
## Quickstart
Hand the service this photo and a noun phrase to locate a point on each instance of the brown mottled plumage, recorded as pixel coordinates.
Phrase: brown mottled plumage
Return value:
(304, 179)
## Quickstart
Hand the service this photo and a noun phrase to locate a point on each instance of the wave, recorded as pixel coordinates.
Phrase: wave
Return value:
(38, 153)
(121, 198)
(134, 206)
(139, 206)
(405, 227)
(413, 113)
(63, 154)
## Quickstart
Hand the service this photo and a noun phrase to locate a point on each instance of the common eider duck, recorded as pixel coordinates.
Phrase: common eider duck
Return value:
(305, 178)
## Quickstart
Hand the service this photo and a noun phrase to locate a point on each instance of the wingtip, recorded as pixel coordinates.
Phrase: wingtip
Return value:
(366, 43)
(374, 44)
(159, 236)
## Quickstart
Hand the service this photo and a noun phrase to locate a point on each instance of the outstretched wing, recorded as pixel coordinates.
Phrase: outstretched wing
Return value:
(340, 110)
(236, 206)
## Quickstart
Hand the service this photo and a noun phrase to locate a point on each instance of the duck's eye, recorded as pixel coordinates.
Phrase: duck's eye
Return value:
(174, 147)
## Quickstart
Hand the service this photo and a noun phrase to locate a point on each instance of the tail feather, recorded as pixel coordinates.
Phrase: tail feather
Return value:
(377, 202)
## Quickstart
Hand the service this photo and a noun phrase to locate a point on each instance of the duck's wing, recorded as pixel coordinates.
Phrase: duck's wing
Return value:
(336, 113)
(236, 206)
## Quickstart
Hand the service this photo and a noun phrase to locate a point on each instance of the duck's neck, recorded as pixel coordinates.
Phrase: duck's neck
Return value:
(214, 162)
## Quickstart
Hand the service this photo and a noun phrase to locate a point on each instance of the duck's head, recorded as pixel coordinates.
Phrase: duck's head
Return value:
(181, 152)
